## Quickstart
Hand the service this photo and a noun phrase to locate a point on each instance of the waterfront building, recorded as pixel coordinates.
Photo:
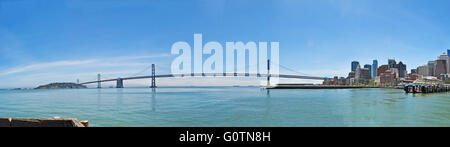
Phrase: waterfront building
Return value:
(342, 81)
(444, 77)
(431, 66)
(351, 75)
(387, 78)
(354, 65)
(382, 69)
(335, 80)
(369, 67)
(377, 80)
(414, 76)
(440, 67)
(424, 70)
(374, 68)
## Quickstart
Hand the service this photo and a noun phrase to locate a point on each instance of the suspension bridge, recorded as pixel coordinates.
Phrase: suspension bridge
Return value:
(153, 76)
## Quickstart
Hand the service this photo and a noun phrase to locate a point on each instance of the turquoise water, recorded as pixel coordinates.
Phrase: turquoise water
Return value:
(230, 106)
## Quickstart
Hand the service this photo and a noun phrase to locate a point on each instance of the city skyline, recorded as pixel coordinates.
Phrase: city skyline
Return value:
(69, 40)
(394, 73)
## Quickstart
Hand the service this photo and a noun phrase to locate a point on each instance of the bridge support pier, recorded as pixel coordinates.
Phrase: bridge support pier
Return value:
(99, 84)
(268, 73)
(119, 83)
(153, 77)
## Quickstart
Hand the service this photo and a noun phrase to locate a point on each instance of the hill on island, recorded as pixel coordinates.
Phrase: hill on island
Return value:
(60, 86)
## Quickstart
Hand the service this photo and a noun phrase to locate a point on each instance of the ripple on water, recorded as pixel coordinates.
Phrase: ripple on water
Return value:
(231, 106)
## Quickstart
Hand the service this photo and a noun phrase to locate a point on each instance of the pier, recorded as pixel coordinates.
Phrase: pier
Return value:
(42, 122)
(426, 88)
(303, 86)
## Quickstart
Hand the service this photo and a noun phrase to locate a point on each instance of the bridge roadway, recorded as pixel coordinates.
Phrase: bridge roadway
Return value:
(211, 75)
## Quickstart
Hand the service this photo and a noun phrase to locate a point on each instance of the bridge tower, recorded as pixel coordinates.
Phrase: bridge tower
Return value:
(153, 77)
(99, 84)
(119, 83)
(268, 73)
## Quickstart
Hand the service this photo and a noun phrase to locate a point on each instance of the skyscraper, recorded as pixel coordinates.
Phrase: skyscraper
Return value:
(440, 67)
(401, 69)
(445, 57)
(369, 67)
(354, 65)
(448, 52)
(391, 63)
(374, 68)
(431, 66)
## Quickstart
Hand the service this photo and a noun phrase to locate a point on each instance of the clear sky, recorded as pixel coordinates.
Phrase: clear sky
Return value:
(57, 40)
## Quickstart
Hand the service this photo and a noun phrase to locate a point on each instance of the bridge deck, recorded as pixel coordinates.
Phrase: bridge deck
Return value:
(212, 75)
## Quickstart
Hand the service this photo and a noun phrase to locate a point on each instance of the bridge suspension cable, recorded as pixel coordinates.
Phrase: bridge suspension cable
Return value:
(141, 72)
(292, 70)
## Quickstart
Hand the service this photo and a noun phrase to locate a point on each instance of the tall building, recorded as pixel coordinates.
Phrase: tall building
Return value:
(369, 67)
(448, 52)
(402, 72)
(445, 57)
(440, 67)
(374, 68)
(354, 65)
(431, 66)
(399, 69)
(392, 63)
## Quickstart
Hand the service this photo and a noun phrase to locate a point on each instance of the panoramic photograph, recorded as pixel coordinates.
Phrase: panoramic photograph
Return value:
(224, 63)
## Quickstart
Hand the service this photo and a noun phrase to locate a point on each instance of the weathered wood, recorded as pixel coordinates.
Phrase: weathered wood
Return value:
(300, 86)
(36, 122)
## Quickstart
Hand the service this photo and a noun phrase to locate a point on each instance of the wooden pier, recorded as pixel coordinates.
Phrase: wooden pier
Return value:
(426, 88)
(302, 86)
(39, 122)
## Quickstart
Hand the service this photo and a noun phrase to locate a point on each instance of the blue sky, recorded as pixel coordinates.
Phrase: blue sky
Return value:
(57, 40)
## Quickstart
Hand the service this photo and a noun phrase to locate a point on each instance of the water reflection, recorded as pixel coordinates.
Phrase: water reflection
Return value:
(119, 100)
(153, 99)
(267, 105)
(99, 98)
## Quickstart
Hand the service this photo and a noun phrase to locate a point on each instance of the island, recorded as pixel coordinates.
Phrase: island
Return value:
(61, 86)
